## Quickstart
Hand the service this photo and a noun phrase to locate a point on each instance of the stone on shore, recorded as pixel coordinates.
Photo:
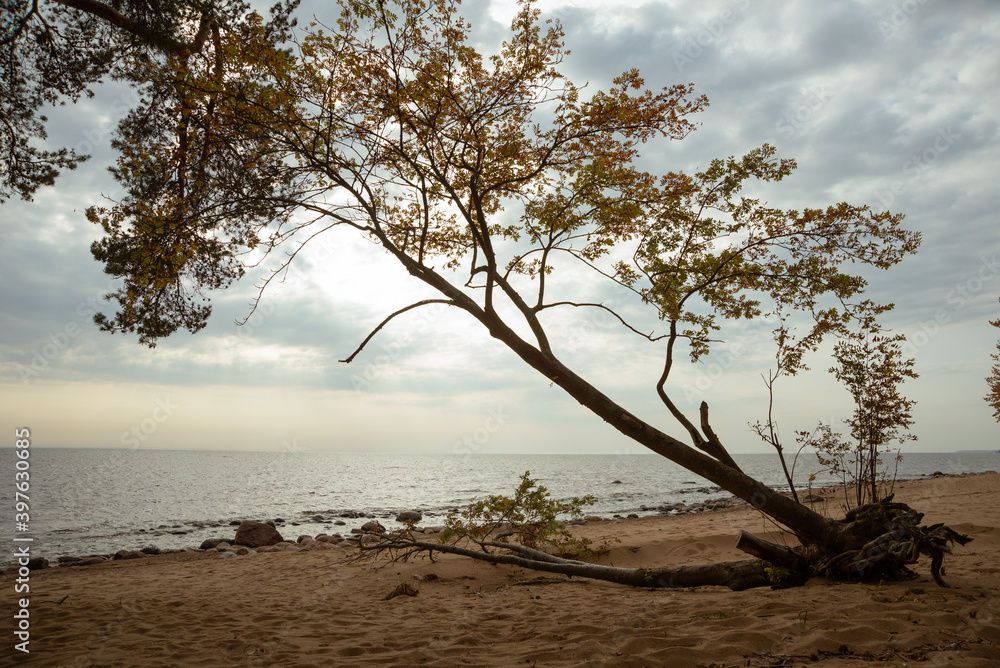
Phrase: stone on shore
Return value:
(257, 534)
(328, 538)
(91, 561)
(37, 563)
(317, 545)
(211, 543)
(130, 554)
(409, 516)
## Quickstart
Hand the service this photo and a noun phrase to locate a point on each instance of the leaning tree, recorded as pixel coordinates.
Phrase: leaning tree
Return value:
(483, 175)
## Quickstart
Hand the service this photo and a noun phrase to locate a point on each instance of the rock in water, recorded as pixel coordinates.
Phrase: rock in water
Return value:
(256, 534)
(409, 516)
(373, 527)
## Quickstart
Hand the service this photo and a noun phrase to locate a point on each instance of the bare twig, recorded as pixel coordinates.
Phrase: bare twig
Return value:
(375, 331)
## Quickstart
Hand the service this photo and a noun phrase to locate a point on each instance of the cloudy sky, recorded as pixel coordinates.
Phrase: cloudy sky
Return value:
(889, 103)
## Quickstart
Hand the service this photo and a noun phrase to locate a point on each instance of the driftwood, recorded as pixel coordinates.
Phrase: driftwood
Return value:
(880, 541)
(735, 575)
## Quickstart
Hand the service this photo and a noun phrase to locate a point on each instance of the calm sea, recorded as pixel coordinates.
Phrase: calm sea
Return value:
(87, 501)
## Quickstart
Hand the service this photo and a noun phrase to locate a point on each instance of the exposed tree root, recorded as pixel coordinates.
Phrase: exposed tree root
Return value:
(891, 539)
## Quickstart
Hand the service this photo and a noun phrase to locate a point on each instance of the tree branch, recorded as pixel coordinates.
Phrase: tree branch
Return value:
(22, 23)
(375, 331)
(668, 364)
(717, 450)
(119, 20)
(649, 337)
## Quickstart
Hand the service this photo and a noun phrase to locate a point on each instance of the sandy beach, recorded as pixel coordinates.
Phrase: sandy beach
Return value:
(317, 608)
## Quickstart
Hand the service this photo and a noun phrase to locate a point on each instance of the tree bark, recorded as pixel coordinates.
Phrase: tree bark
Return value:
(821, 537)
(809, 526)
(762, 549)
(737, 575)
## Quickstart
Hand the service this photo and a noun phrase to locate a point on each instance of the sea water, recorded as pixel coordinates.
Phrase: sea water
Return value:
(98, 501)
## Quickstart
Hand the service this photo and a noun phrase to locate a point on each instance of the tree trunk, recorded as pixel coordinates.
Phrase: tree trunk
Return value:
(878, 542)
(809, 526)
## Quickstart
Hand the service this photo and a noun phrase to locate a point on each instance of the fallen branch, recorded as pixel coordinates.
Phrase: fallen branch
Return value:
(737, 575)
(886, 556)
(874, 541)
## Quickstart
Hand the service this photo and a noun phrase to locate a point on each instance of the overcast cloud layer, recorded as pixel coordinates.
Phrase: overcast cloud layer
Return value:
(892, 104)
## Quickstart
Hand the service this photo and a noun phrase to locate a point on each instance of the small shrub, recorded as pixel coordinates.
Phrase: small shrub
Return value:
(530, 517)
(871, 366)
(776, 575)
